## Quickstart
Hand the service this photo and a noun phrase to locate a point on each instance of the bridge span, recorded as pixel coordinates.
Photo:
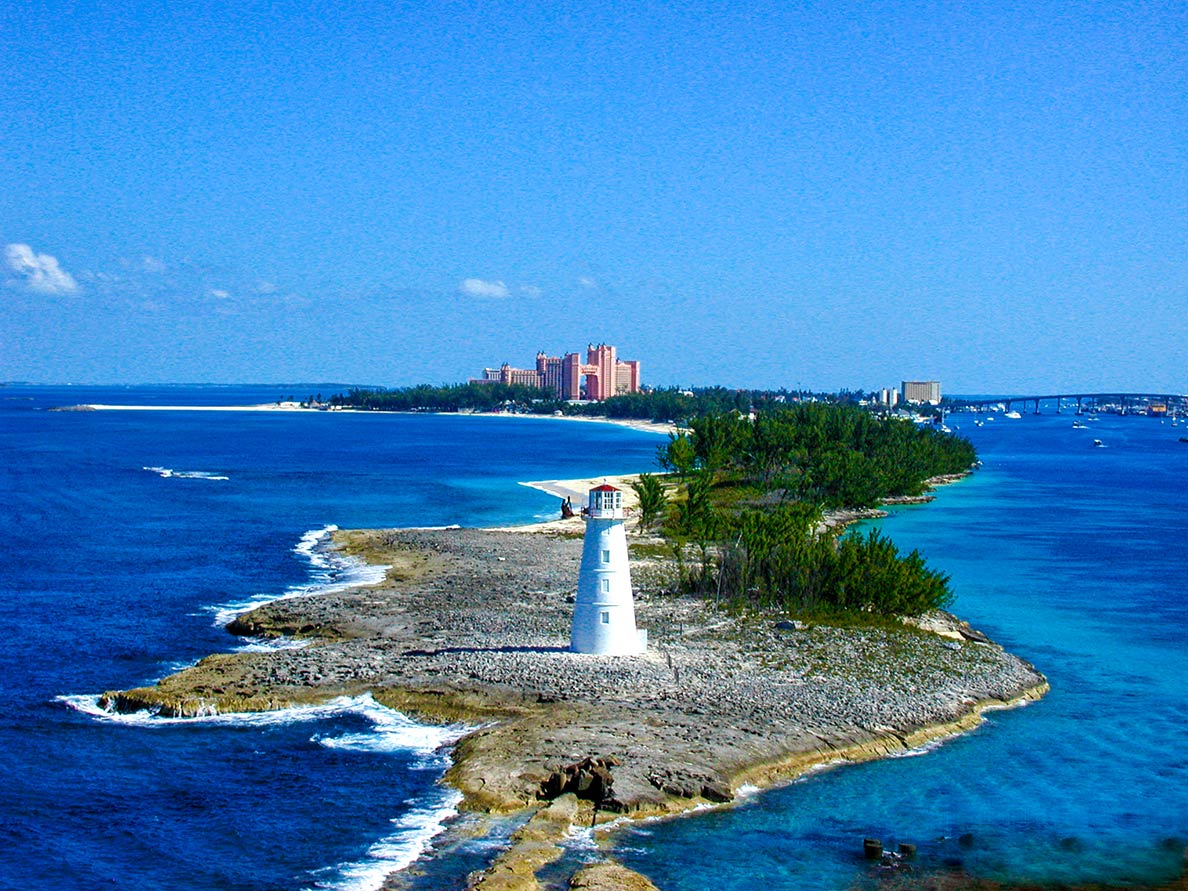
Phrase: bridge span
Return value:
(1175, 403)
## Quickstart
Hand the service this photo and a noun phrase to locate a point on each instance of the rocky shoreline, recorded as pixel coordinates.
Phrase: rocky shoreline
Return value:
(471, 626)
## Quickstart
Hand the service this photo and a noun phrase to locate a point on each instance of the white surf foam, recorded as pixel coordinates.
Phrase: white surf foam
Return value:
(89, 704)
(392, 731)
(170, 473)
(411, 835)
(329, 572)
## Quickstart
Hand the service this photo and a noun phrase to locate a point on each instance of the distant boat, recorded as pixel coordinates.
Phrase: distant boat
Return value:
(1012, 415)
(1078, 425)
(1097, 443)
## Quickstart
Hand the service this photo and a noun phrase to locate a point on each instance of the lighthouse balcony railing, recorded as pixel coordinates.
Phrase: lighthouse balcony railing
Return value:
(608, 513)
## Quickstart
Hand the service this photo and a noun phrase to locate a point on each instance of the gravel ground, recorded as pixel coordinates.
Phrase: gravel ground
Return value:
(472, 625)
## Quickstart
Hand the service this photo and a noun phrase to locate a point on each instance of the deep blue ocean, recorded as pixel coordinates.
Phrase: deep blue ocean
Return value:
(131, 535)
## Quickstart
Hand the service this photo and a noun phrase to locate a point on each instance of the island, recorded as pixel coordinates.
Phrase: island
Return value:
(471, 626)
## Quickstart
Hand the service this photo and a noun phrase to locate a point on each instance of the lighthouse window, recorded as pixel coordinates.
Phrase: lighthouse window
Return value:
(605, 616)
(606, 556)
(606, 586)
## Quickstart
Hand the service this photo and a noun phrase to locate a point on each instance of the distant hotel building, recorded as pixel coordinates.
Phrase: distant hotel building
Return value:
(922, 391)
(605, 374)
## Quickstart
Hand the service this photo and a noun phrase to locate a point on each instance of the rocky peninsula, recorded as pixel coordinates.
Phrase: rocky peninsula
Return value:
(471, 626)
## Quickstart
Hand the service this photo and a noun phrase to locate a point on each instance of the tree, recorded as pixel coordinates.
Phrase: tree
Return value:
(652, 500)
(678, 456)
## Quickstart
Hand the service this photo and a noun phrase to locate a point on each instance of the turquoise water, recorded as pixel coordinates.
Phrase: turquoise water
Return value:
(1075, 558)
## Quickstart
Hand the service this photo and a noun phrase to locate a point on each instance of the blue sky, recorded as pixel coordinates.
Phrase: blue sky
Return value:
(824, 195)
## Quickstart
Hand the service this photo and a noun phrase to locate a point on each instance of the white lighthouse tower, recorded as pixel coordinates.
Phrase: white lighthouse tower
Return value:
(604, 612)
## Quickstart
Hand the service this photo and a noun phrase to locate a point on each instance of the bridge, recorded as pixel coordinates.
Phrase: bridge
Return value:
(1176, 403)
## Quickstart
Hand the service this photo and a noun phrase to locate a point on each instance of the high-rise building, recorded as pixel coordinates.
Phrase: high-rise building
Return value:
(605, 374)
(551, 371)
(922, 391)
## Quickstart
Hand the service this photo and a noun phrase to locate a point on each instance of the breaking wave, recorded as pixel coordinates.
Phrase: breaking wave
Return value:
(329, 572)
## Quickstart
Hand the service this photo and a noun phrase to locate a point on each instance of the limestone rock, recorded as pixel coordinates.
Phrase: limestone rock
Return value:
(609, 877)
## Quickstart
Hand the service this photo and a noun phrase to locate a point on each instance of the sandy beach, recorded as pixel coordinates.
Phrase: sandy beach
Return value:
(264, 406)
(632, 423)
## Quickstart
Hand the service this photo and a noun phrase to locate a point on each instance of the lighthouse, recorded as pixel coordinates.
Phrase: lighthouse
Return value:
(603, 611)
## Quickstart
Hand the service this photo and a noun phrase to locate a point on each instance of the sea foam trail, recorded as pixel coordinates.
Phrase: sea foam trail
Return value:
(329, 572)
(170, 473)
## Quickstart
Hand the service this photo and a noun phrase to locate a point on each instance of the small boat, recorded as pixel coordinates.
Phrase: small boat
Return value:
(1078, 425)
(1098, 444)
(1013, 415)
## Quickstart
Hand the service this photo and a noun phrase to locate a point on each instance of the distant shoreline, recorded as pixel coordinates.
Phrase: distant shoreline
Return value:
(265, 406)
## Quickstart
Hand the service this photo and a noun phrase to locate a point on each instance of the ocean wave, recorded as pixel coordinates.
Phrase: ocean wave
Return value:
(329, 572)
(89, 704)
(411, 835)
(392, 731)
(170, 473)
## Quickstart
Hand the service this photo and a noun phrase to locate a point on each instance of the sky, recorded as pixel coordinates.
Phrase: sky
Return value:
(804, 195)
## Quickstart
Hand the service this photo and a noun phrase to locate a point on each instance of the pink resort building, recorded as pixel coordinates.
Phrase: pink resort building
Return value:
(604, 374)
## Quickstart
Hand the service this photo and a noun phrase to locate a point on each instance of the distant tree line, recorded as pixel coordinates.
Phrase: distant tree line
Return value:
(450, 398)
(664, 405)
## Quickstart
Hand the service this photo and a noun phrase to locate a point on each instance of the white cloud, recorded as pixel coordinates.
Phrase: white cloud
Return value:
(39, 273)
(587, 282)
(476, 287)
(219, 293)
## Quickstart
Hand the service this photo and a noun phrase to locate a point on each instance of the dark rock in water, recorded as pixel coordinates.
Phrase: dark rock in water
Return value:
(872, 848)
(966, 840)
(589, 778)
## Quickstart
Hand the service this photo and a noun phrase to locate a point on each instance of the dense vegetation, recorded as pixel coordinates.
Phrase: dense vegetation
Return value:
(752, 499)
(833, 455)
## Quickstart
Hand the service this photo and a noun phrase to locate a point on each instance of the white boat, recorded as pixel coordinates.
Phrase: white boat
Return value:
(1013, 415)
(1098, 444)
